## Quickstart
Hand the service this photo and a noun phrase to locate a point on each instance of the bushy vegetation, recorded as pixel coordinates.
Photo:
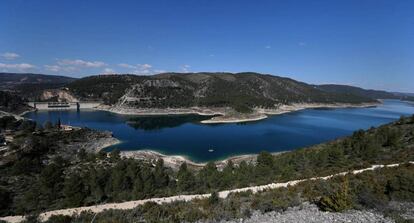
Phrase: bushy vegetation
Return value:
(36, 182)
(367, 190)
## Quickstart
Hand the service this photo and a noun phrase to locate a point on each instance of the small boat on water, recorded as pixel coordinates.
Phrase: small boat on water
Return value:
(211, 150)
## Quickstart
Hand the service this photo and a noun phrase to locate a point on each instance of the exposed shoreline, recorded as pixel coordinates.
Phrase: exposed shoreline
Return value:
(175, 161)
(100, 144)
(228, 115)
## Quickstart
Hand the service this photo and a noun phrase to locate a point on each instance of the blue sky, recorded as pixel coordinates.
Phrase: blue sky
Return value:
(368, 43)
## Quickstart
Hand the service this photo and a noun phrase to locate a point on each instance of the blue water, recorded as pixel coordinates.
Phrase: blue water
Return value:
(184, 135)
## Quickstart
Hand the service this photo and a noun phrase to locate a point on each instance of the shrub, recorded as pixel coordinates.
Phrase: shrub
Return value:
(214, 198)
(338, 201)
(59, 219)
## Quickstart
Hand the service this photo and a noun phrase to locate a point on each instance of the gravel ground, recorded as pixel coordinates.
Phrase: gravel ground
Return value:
(406, 209)
(309, 213)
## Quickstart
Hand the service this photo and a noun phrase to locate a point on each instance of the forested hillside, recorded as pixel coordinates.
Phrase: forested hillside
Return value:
(241, 91)
(12, 103)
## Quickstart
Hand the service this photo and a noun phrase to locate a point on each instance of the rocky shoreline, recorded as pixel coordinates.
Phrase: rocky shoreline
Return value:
(228, 115)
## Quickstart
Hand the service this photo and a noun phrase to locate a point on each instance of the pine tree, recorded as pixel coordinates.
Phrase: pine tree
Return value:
(58, 124)
(185, 178)
(161, 178)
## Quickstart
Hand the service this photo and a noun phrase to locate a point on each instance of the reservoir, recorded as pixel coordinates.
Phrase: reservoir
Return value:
(185, 135)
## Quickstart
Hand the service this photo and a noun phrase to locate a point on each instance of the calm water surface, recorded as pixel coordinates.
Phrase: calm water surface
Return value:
(184, 135)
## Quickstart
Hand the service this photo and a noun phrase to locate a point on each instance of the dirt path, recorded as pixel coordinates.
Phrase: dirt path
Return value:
(223, 194)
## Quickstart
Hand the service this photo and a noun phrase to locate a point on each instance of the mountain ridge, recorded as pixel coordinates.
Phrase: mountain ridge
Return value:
(242, 92)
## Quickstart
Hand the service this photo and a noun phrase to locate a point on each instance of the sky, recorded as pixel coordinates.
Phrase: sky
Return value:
(366, 43)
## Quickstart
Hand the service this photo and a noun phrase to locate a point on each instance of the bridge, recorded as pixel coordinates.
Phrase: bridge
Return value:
(64, 105)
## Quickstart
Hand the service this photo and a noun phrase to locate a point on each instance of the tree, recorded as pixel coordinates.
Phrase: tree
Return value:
(161, 178)
(228, 175)
(209, 176)
(6, 198)
(58, 123)
(51, 181)
(214, 198)
(115, 155)
(392, 137)
(338, 201)
(185, 179)
(336, 157)
(265, 159)
(48, 125)
(264, 167)
(73, 190)
(82, 155)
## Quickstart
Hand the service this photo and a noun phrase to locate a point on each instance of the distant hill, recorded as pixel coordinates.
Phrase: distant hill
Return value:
(405, 96)
(351, 90)
(10, 80)
(30, 85)
(242, 91)
(12, 103)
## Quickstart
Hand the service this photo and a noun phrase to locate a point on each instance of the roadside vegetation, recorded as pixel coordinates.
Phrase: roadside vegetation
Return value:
(38, 177)
(373, 190)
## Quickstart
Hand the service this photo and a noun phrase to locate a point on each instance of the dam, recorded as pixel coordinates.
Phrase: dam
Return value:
(64, 105)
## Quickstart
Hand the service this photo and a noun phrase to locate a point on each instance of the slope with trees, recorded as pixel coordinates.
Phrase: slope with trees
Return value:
(241, 91)
(34, 182)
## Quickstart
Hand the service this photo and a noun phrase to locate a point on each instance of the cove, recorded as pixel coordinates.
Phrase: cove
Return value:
(185, 135)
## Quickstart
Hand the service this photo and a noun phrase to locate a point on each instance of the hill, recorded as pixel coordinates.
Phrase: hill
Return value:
(30, 85)
(240, 91)
(356, 91)
(12, 103)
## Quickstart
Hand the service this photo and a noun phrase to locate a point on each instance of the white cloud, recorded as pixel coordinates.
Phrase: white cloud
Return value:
(145, 66)
(140, 69)
(10, 56)
(302, 44)
(19, 66)
(57, 68)
(185, 68)
(81, 63)
(54, 68)
(268, 47)
(125, 65)
(137, 67)
(108, 71)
